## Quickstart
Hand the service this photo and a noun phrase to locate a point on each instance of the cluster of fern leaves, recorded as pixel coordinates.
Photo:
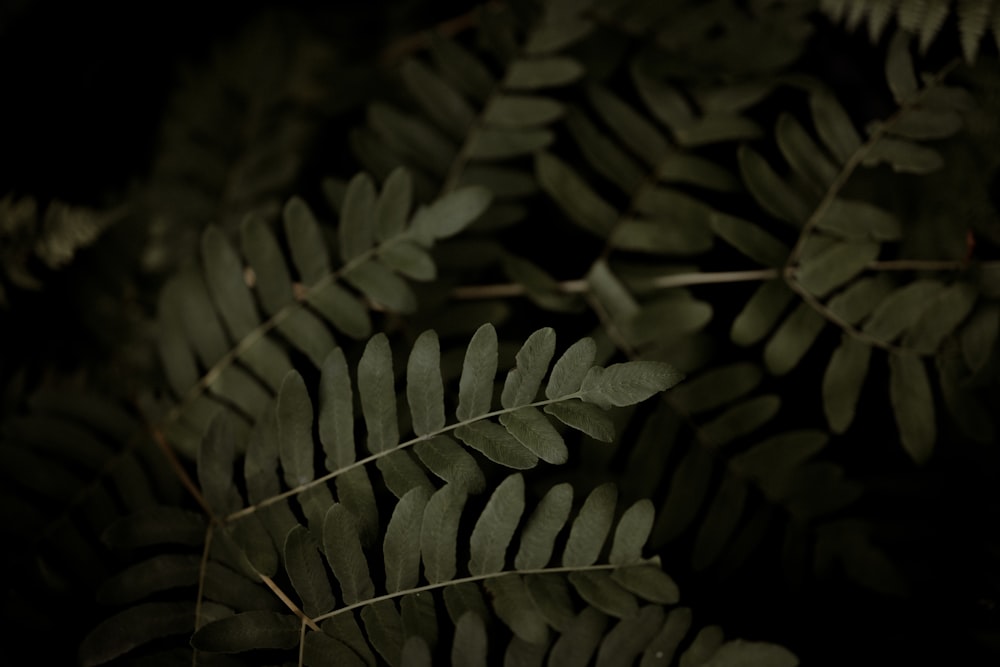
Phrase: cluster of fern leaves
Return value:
(560, 332)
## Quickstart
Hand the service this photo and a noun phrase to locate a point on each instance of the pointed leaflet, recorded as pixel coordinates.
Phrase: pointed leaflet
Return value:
(496, 444)
(540, 531)
(574, 196)
(475, 388)
(248, 631)
(775, 195)
(450, 214)
(295, 423)
(378, 397)
(629, 637)
(843, 380)
(342, 547)
(600, 590)
(336, 412)
(274, 284)
(749, 239)
(836, 265)
(532, 362)
(495, 527)
(448, 460)
(439, 533)
(740, 653)
(570, 369)
(632, 533)
(401, 546)
(515, 608)
(590, 527)
(648, 582)
(542, 72)
(627, 383)
(793, 339)
(424, 389)
(537, 434)
(470, 644)
(761, 313)
(305, 241)
(913, 405)
(584, 417)
(307, 573)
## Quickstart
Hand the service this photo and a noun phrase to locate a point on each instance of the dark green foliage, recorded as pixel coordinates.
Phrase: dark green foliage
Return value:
(336, 434)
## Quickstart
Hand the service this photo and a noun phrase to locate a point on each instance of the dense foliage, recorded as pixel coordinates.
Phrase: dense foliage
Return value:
(556, 332)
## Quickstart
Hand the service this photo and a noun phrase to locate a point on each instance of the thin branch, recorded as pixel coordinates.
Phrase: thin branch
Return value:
(405, 46)
(202, 571)
(181, 472)
(288, 602)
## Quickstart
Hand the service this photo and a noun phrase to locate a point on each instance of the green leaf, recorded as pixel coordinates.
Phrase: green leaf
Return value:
(901, 309)
(664, 645)
(439, 533)
(648, 582)
(336, 412)
(402, 540)
(307, 573)
(631, 534)
(556, 33)
(224, 278)
(513, 605)
(843, 380)
(503, 182)
(542, 72)
(941, 317)
(668, 105)
(470, 646)
(804, 156)
(584, 417)
(448, 460)
(641, 136)
(347, 631)
(342, 309)
(307, 333)
(576, 645)
(979, 335)
(437, 98)
(154, 526)
(357, 217)
(409, 136)
(460, 67)
(424, 388)
(420, 616)
(721, 520)
(741, 653)
(134, 627)
(392, 209)
(522, 111)
(716, 387)
(851, 219)
(153, 575)
(590, 527)
(600, 590)
(342, 547)
(834, 126)
(475, 389)
(550, 595)
(322, 650)
(667, 319)
(629, 637)
(671, 237)
(793, 339)
(408, 259)
(465, 597)
(539, 286)
(305, 241)
(836, 265)
(859, 299)
(761, 313)
(774, 194)
(537, 434)
(686, 494)
(495, 527)
(749, 239)
(378, 397)
(540, 531)
(450, 214)
(571, 368)
(532, 362)
(215, 466)
(583, 206)
(416, 653)
(295, 423)
(904, 157)
(627, 383)
(604, 153)
(913, 405)
(899, 69)
(401, 473)
(500, 143)
(274, 284)
(380, 284)
(496, 444)
(924, 124)
(385, 629)
(708, 640)
(248, 631)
